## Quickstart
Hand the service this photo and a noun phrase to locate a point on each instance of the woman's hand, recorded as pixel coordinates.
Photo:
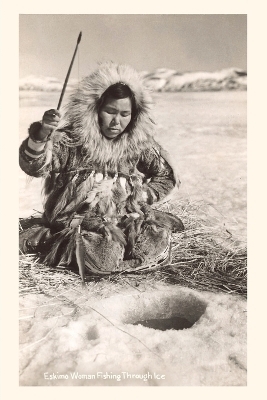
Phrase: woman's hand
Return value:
(50, 122)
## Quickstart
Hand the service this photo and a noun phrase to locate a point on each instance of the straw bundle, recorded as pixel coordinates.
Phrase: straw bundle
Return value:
(206, 256)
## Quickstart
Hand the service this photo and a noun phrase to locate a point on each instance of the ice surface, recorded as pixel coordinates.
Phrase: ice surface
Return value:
(90, 336)
(83, 334)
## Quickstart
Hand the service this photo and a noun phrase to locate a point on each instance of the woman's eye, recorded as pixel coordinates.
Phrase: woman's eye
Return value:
(113, 112)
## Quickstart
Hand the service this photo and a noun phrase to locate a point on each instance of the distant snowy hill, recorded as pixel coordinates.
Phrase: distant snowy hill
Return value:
(162, 80)
(44, 83)
(166, 80)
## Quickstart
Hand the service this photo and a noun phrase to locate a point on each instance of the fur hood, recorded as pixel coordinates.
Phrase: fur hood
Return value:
(80, 117)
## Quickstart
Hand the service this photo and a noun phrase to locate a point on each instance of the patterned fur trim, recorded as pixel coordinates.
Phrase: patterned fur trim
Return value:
(81, 114)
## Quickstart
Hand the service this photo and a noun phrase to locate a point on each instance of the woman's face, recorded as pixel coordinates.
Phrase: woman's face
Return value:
(114, 116)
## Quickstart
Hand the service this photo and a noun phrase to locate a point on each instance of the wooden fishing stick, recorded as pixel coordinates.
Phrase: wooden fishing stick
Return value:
(69, 71)
(49, 143)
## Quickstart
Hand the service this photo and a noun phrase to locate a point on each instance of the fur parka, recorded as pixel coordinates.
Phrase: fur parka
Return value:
(97, 186)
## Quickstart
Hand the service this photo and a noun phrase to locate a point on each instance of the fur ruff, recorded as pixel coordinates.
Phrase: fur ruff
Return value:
(81, 114)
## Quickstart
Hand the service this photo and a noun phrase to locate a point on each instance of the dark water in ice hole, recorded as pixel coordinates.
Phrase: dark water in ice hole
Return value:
(176, 323)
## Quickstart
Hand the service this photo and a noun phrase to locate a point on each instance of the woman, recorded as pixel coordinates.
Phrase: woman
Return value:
(103, 171)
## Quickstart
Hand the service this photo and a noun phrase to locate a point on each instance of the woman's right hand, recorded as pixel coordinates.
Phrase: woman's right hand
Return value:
(50, 122)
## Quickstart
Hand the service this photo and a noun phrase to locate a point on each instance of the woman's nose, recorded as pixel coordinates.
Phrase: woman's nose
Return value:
(116, 119)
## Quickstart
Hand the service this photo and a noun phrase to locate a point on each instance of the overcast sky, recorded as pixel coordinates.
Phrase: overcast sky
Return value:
(181, 42)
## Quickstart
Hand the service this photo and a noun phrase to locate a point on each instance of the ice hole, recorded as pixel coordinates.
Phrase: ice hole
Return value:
(175, 311)
(164, 324)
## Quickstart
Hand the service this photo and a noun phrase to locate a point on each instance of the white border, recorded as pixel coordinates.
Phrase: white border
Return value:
(9, 192)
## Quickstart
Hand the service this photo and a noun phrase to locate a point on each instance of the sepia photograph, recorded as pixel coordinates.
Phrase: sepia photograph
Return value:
(132, 177)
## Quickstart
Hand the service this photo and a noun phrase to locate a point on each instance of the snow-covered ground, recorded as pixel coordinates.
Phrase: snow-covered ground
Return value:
(80, 339)
(91, 332)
